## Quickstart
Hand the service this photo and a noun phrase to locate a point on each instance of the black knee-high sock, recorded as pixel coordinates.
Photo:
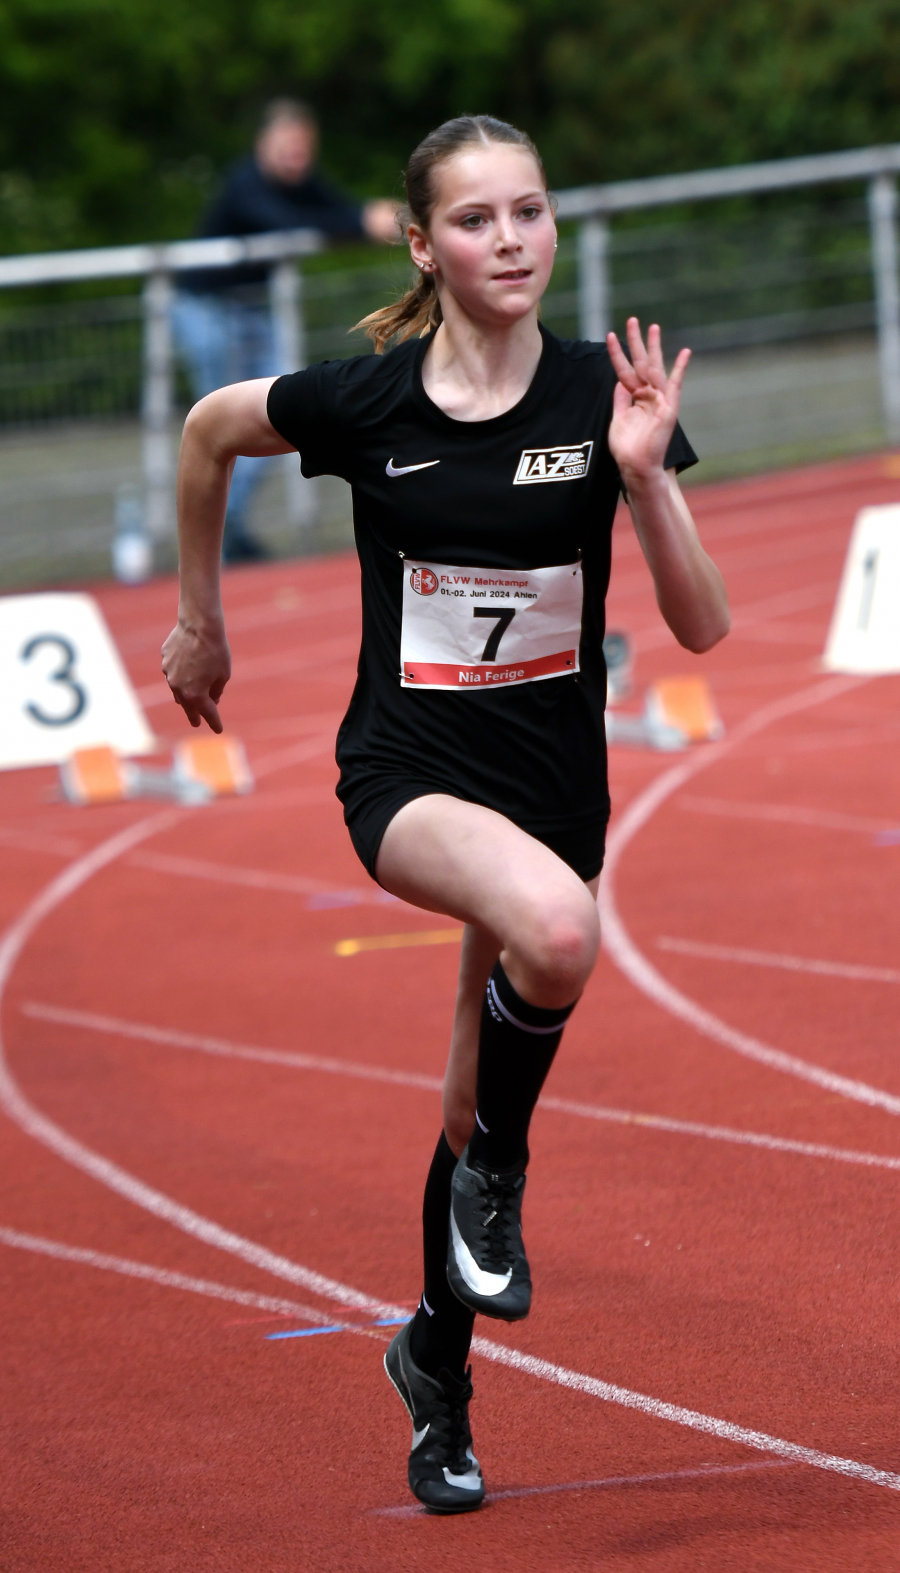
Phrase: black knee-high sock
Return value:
(515, 1052)
(442, 1325)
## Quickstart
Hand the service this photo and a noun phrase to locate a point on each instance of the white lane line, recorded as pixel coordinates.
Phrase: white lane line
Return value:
(784, 604)
(544, 1370)
(610, 1393)
(310, 603)
(293, 754)
(721, 1133)
(748, 559)
(305, 723)
(843, 737)
(224, 1048)
(36, 1243)
(34, 1124)
(263, 879)
(611, 1482)
(258, 614)
(785, 634)
(33, 841)
(771, 958)
(819, 543)
(785, 814)
(44, 1130)
(622, 950)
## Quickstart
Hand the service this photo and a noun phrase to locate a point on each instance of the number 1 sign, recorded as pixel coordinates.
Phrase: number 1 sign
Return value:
(62, 683)
(865, 629)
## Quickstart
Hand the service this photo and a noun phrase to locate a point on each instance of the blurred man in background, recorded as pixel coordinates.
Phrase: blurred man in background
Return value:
(221, 316)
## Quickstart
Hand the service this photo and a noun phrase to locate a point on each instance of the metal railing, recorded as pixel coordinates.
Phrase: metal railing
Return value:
(879, 166)
(158, 266)
(590, 207)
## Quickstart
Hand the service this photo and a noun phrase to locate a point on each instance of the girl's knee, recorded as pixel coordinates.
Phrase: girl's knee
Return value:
(555, 948)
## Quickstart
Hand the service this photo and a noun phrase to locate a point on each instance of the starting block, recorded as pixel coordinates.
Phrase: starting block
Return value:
(204, 768)
(218, 763)
(94, 775)
(686, 703)
(677, 711)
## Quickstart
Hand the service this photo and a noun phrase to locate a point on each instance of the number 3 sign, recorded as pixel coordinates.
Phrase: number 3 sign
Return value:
(62, 683)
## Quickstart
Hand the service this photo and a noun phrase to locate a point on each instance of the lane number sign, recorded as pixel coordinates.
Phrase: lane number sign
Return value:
(865, 629)
(62, 683)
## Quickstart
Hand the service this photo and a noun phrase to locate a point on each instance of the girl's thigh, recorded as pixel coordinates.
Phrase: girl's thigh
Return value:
(450, 856)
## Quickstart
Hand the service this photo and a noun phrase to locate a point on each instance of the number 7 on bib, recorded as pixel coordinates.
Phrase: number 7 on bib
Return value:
(478, 628)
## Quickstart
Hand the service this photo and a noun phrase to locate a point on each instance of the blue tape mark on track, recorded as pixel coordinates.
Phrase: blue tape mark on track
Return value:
(306, 1332)
(340, 1327)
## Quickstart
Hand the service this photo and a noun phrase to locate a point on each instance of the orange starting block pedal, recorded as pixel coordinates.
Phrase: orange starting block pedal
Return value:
(94, 775)
(91, 776)
(217, 763)
(203, 768)
(687, 704)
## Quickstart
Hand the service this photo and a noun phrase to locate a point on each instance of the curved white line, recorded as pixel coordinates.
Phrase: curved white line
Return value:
(163, 1276)
(34, 1124)
(629, 959)
(235, 1051)
(144, 1032)
(411, 1510)
(611, 1394)
(851, 971)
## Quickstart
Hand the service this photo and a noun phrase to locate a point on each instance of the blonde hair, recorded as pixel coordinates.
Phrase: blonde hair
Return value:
(418, 309)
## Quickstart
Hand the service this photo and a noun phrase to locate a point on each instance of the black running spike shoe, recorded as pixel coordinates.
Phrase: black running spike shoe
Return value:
(486, 1264)
(443, 1471)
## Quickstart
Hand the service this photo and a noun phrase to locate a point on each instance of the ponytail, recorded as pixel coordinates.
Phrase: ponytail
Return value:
(419, 310)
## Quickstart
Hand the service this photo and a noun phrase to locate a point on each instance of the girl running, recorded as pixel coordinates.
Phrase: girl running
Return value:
(486, 459)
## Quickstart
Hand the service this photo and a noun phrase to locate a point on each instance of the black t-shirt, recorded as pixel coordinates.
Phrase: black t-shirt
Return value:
(536, 751)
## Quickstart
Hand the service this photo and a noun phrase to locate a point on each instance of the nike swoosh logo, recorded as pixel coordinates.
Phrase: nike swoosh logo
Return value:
(471, 1480)
(478, 1280)
(407, 469)
(419, 1436)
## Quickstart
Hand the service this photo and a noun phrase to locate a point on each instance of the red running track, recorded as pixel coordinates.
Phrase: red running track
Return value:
(215, 1127)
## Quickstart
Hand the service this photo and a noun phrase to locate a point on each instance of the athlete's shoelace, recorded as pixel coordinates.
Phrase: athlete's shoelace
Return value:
(450, 1432)
(500, 1222)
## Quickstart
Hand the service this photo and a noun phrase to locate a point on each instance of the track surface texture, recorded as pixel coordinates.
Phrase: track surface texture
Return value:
(215, 1127)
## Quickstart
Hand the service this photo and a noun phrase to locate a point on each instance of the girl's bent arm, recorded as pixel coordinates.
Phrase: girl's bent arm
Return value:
(690, 590)
(196, 659)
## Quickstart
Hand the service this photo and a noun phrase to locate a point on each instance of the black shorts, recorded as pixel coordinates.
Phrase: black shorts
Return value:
(579, 843)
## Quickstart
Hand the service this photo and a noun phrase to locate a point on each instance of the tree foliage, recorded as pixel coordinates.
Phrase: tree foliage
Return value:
(116, 118)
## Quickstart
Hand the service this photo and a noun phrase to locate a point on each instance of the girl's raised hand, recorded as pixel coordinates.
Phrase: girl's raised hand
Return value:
(645, 401)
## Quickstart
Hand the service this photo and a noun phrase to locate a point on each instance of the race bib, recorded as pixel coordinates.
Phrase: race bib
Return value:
(480, 628)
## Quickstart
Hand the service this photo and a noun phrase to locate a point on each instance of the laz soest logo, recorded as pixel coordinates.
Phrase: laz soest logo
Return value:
(423, 581)
(567, 462)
